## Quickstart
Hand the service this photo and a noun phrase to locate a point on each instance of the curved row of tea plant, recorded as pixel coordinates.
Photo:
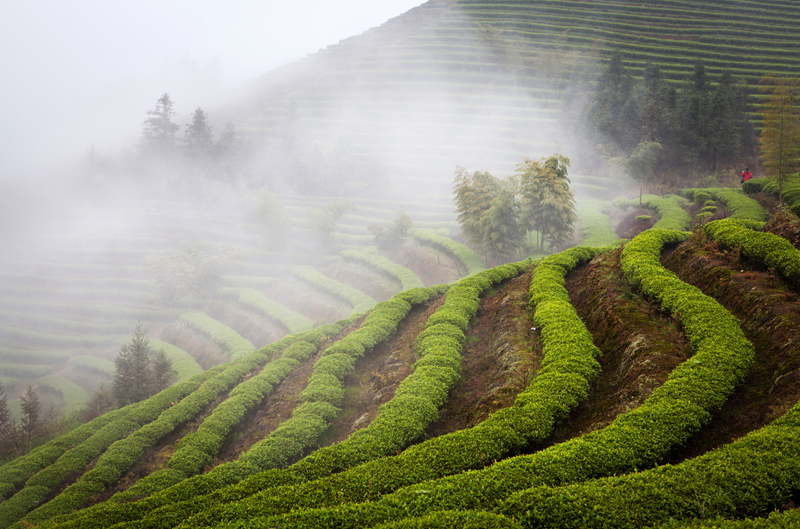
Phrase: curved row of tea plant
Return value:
(472, 263)
(561, 384)
(594, 224)
(293, 321)
(360, 301)
(766, 249)
(740, 205)
(406, 277)
(183, 363)
(749, 477)
(791, 188)
(638, 439)
(788, 519)
(232, 341)
(44, 469)
(123, 454)
(669, 209)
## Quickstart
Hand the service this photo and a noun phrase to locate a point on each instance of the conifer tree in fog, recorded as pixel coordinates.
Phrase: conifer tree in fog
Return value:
(158, 131)
(198, 138)
(139, 373)
(29, 419)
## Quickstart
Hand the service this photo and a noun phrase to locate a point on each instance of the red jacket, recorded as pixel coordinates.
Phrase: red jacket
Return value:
(746, 175)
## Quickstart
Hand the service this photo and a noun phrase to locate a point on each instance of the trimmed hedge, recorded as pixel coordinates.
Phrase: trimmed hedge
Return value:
(740, 205)
(791, 188)
(638, 439)
(293, 321)
(669, 209)
(767, 249)
(472, 263)
(749, 477)
(406, 277)
(360, 301)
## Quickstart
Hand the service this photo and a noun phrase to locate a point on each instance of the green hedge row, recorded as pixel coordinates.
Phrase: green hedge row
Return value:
(407, 278)
(308, 421)
(231, 340)
(669, 209)
(82, 449)
(766, 249)
(749, 477)
(123, 454)
(638, 439)
(467, 257)
(24, 370)
(74, 396)
(399, 421)
(740, 205)
(360, 301)
(92, 363)
(183, 363)
(293, 321)
(12, 355)
(789, 519)
(568, 366)
(791, 188)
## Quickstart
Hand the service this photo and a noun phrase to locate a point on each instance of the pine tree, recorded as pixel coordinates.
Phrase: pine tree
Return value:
(7, 433)
(100, 402)
(163, 374)
(158, 133)
(133, 377)
(198, 138)
(29, 418)
(780, 132)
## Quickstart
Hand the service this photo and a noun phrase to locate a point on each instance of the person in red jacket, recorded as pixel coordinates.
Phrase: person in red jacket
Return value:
(746, 175)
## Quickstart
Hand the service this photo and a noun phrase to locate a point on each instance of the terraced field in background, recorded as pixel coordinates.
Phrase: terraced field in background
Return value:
(67, 305)
(650, 381)
(481, 83)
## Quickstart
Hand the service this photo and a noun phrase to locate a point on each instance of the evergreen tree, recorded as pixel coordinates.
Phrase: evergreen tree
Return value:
(29, 418)
(7, 433)
(101, 401)
(163, 374)
(780, 133)
(198, 138)
(158, 133)
(133, 377)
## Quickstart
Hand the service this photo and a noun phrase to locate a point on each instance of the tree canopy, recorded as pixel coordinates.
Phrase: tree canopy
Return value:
(780, 133)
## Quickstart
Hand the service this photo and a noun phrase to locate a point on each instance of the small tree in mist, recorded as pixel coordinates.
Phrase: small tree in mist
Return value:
(501, 232)
(473, 195)
(547, 203)
(642, 162)
(29, 419)
(101, 401)
(7, 426)
(389, 235)
(158, 132)
(138, 371)
(268, 212)
(191, 279)
(323, 221)
(198, 139)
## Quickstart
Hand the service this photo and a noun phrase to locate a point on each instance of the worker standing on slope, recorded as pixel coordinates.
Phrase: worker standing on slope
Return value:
(746, 175)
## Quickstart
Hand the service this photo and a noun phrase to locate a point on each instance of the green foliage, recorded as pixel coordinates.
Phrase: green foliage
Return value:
(189, 279)
(672, 215)
(595, 224)
(74, 396)
(546, 201)
(406, 277)
(780, 132)
(766, 249)
(471, 262)
(791, 188)
(734, 200)
(389, 236)
(183, 363)
(293, 321)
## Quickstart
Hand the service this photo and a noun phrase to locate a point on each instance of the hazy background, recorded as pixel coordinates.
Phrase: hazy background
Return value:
(85, 72)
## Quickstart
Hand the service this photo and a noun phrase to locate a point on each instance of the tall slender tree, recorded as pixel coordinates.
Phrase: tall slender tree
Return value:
(780, 133)
(133, 377)
(29, 418)
(547, 202)
(198, 138)
(158, 132)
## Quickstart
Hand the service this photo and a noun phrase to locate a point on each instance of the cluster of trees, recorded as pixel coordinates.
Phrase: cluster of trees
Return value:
(699, 126)
(190, 279)
(780, 133)
(388, 236)
(18, 438)
(498, 216)
(139, 372)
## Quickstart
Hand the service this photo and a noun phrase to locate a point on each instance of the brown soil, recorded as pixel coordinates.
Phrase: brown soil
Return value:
(786, 226)
(499, 358)
(363, 279)
(378, 374)
(640, 345)
(627, 227)
(770, 316)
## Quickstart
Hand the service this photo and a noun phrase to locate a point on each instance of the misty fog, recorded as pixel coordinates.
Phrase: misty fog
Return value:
(98, 234)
